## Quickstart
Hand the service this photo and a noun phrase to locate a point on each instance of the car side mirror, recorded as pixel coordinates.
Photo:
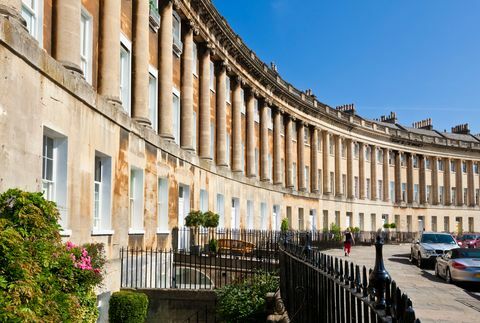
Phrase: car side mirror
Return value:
(417, 241)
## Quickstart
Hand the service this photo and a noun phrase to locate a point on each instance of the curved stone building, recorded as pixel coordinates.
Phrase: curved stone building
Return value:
(130, 113)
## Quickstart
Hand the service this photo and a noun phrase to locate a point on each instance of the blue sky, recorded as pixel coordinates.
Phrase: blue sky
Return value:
(419, 58)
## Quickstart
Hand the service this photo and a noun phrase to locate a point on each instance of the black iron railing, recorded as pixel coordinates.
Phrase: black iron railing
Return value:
(170, 269)
(320, 288)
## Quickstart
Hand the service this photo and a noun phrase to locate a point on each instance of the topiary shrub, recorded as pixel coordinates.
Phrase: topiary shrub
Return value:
(336, 232)
(128, 307)
(41, 279)
(210, 219)
(393, 226)
(194, 219)
(284, 225)
(244, 301)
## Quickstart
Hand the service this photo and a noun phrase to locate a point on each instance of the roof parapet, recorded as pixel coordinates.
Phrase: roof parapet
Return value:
(347, 108)
(462, 129)
(423, 124)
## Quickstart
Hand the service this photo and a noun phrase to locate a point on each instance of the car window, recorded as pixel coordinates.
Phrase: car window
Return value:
(437, 238)
(469, 253)
(468, 237)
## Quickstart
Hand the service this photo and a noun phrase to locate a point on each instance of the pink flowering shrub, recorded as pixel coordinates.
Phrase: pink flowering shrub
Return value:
(87, 261)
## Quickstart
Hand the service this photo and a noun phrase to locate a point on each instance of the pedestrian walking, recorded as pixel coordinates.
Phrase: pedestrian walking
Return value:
(347, 244)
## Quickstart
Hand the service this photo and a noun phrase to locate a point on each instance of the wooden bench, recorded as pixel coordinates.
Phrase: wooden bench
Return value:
(235, 246)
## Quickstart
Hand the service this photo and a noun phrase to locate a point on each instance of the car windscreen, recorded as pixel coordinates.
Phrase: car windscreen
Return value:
(468, 237)
(437, 238)
(468, 253)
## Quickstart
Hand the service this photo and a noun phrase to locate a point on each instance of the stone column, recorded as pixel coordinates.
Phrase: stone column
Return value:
(409, 178)
(288, 151)
(301, 155)
(109, 65)
(67, 34)
(373, 172)
(350, 184)
(386, 177)
(251, 134)
(470, 184)
(237, 126)
(277, 146)
(459, 182)
(264, 176)
(314, 160)
(13, 9)
(204, 108)
(141, 13)
(326, 163)
(422, 182)
(186, 98)
(165, 48)
(446, 181)
(338, 166)
(221, 117)
(361, 169)
(398, 177)
(434, 163)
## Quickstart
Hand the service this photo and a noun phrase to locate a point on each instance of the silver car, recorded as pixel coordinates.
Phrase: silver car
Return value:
(459, 264)
(430, 246)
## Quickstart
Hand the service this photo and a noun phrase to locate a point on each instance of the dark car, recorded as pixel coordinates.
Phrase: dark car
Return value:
(469, 240)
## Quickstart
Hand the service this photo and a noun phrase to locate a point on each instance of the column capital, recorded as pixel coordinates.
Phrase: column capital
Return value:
(254, 92)
(268, 102)
(239, 80)
(193, 27)
(209, 47)
(224, 65)
(175, 4)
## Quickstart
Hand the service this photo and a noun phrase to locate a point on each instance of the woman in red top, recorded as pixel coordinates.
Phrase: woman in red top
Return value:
(347, 245)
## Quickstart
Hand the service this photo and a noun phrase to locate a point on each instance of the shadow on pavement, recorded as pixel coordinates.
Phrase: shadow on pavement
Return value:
(400, 258)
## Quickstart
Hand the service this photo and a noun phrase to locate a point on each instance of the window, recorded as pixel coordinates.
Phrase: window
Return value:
(361, 221)
(270, 120)
(355, 179)
(477, 195)
(203, 200)
(256, 112)
(54, 172)
(391, 158)
(212, 140)
(373, 221)
(125, 72)
(325, 219)
(380, 156)
(440, 165)
(464, 167)
(452, 166)
(368, 188)
(332, 182)
(337, 218)
(356, 150)
(306, 136)
(194, 131)
(403, 160)
(242, 157)
(368, 152)
(212, 76)
(415, 161)
(152, 99)
(320, 184)
(227, 151)
(176, 115)
(307, 178)
(301, 221)
(86, 44)
(441, 195)
(250, 215)
(428, 163)
(475, 168)
(454, 195)
(162, 207)
(465, 196)
(429, 194)
(220, 210)
(32, 13)
(404, 192)
(256, 161)
(392, 191)
(344, 184)
(270, 166)
(263, 216)
(136, 201)
(344, 149)
(177, 34)
(228, 93)
(194, 59)
(294, 173)
(294, 131)
(242, 99)
(331, 145)
(102, 193)
(380, 189)
(416, 189)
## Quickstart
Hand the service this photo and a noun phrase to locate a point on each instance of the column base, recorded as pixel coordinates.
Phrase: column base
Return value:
(11, 13)
(278, 183)
(113, 100)
(223, 164)
(189, 148)
(206, 158)
(74, 68)
(143, 121)
(167, 136)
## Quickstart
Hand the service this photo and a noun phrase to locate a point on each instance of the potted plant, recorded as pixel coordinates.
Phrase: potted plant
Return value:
(210, 222)
(194, 220)
(213, 246)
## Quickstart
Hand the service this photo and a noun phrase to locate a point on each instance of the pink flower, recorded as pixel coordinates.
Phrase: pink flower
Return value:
(70, 245)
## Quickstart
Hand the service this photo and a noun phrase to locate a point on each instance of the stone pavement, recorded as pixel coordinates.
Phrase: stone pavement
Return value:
(432, 298)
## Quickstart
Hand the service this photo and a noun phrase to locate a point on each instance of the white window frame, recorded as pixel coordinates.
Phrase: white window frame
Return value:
(212, 76)
(153, 97)
(126, 48)
(162, 205)
(176, 115)
(102, 223)
(227, 150)
(177, 34)
(203, 200)
(228, 92)
(194, 59)
(136, 184)
(36, 13)
(242, 98)
(256, 111)
(194, 131)
(59, 180)
(86, 38)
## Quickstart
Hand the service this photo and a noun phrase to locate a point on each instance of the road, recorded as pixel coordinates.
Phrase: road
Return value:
(432, 298)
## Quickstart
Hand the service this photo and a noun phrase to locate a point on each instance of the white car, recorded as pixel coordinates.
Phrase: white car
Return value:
(430, 246)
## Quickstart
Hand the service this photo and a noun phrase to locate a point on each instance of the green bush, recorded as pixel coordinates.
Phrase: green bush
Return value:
(284, 225)
(393, 226)
(335, 230)
(210, 219)
(386, 225)
(194, 219)
(213, 245)
(245, 301)
(41, 279)
(128, 307)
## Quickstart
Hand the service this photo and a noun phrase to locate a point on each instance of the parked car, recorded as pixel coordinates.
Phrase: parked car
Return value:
(459, 264)
(430, 246)
(469, 240)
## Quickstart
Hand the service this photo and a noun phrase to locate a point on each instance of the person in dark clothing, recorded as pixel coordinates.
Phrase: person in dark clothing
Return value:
(347, 245)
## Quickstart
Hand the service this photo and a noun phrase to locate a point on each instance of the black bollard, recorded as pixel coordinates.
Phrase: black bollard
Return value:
(379, 277)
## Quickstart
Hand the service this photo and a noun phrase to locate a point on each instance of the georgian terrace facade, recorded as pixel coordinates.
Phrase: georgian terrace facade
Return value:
(128, 118)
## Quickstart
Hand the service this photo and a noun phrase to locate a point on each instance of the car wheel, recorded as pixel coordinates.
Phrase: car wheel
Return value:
(448, 277)
(420, 262)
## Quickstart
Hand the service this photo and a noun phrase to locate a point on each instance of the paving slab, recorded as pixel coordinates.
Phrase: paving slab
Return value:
(432, 298)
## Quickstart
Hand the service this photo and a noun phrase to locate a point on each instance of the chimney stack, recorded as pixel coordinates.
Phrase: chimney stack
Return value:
(273, 66)
(347, 108)
(462, 129)
(392, 118)
(423, 124)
